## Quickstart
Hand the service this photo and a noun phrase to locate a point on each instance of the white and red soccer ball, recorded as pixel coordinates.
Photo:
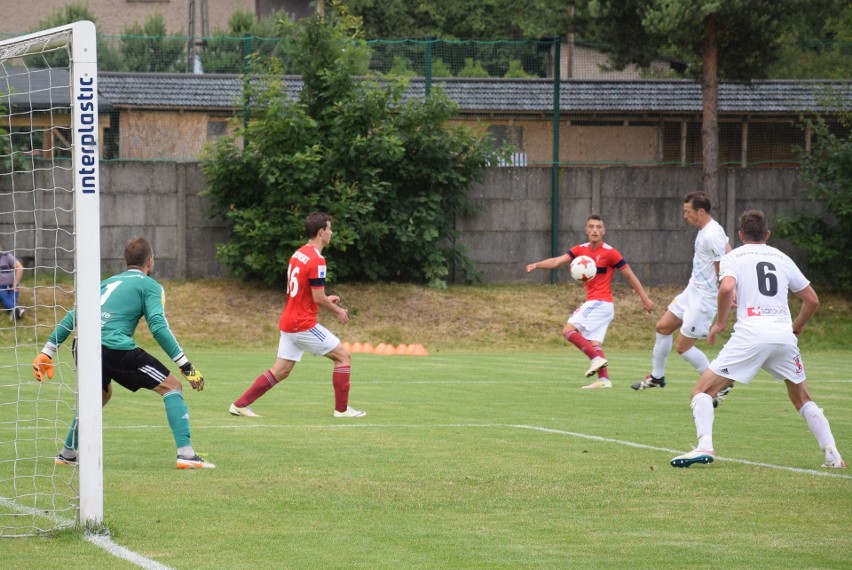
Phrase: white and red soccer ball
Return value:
(583, 268)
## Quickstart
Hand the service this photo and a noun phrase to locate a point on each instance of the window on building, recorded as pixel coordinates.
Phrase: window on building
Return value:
(216, 129)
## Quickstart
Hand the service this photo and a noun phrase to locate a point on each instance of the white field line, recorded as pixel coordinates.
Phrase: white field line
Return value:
(101, 541)
(502, 379)
(30, 511)
(106, 543)
(256, 424)
(820, 472)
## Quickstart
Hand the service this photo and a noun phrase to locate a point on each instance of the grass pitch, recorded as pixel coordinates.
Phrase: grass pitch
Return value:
(485, 454)
(471, 460)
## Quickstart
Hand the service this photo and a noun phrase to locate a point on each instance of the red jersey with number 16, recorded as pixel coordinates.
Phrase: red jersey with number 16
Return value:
(305, 272)
(607, 259)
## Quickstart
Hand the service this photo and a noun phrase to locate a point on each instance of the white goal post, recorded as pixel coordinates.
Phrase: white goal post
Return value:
(50, 220)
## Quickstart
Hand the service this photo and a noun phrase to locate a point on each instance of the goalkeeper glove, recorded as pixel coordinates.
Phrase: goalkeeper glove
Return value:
(193, 376)
(42, 364)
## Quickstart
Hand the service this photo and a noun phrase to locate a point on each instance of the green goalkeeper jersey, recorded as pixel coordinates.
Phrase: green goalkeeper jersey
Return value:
(126, 298)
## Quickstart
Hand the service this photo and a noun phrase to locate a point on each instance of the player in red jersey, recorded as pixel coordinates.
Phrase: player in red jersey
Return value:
(586, 328)
(300, 331)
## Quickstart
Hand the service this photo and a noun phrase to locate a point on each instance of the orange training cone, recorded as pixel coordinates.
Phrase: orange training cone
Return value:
(419, 350)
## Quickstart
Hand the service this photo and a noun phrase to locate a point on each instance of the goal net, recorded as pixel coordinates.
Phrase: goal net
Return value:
(50, 221)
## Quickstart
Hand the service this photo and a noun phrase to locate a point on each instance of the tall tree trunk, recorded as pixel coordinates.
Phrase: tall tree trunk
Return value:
(710, 109)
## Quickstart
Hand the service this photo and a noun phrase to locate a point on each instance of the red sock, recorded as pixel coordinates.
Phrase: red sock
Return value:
(602, 372)
(261, 385)
(578, 340)
(340, 380)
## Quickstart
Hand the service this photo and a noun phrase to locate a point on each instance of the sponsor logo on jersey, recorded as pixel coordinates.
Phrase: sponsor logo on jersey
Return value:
(770, 311)
(321, 271)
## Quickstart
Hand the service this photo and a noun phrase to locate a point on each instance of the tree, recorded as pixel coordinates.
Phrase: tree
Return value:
(819, 47)
(389, 171)
(108, 58)
(731, 39)
(826, 234)
(447, 19)
(149, 48)
(231, 50)
(472, 68)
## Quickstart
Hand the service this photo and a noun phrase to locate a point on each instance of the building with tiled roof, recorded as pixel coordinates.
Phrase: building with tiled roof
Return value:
(171, 116)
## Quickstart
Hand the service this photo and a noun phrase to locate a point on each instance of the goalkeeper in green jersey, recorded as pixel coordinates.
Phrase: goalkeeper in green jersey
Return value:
(126, 298)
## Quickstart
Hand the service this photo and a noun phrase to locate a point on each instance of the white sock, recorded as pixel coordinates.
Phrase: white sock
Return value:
(662, 348)
(818, 425)
(702, 411)
(697, 358)
(186, 452)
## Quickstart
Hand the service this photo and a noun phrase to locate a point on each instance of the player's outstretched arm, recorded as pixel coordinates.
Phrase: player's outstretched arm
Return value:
(550, 263)
(43, 362)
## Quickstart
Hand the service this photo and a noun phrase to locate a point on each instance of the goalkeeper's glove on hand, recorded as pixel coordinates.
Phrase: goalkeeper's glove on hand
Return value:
(193, 376)
(42, 365)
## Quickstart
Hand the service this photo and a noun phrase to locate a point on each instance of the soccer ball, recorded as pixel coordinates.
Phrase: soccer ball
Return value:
(583, 268)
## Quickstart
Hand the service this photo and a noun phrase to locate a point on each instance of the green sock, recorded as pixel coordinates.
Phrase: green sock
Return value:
(178, 415)
(71, 439)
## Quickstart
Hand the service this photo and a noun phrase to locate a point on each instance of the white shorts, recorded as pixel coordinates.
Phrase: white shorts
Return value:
(696, 311)
(741, 361)
(592, 319)
(317, 340)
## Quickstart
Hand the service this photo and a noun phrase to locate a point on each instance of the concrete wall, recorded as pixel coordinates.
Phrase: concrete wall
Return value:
(156, 199)
(642, 208)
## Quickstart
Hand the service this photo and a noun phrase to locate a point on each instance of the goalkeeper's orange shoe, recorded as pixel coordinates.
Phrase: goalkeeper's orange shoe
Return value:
(193, 463)
(61, 460)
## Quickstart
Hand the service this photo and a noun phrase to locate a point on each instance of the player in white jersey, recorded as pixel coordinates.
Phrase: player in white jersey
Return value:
(692, 311)
(764, 336)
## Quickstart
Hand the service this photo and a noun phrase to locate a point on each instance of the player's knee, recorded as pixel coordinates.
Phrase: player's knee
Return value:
(280, 373)
(170, 384)
(340, 355)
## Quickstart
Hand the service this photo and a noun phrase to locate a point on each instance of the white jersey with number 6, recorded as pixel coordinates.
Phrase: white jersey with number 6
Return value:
(764, 275)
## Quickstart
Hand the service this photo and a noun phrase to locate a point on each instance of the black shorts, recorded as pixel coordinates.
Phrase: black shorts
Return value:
(133, 369)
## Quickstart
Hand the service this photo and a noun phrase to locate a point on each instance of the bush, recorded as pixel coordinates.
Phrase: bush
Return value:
(392, 175)
(827, 180)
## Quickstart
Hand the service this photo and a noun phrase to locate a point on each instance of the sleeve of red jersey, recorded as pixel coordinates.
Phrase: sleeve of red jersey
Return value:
(616, 260)
(316, 273)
